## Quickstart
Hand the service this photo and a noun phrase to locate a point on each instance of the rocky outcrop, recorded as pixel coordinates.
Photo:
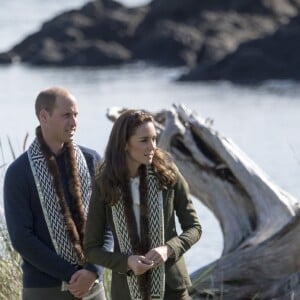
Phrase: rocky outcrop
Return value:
(98, 34)
(272, 57)
(214, 39)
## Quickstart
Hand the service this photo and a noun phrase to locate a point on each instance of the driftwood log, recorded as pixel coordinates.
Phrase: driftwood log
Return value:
(259, 221)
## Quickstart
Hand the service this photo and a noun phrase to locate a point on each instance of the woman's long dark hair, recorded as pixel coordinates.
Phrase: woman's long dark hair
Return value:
(113, 173)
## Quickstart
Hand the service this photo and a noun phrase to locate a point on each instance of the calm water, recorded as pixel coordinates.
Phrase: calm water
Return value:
(263, 121)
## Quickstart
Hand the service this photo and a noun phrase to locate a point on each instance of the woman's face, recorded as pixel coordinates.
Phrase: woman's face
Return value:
(140, 147)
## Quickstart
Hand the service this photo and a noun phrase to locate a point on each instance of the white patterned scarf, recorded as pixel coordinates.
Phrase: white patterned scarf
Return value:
(156, 231)
(49, 198)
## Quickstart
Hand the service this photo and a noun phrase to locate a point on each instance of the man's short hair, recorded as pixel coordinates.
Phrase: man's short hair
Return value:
(46, 99)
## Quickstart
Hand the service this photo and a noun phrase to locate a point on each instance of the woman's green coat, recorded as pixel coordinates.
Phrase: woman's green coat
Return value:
(175, 200)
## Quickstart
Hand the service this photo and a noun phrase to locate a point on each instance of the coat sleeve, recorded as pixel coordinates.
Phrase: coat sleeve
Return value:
(187, 217)
(94, 238)
(93, 160)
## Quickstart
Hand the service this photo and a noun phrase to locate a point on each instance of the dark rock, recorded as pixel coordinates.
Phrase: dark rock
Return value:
(272, 57)
(98, 54)
(48, 53)
(184, 10)
(7, 58)
(169, 43)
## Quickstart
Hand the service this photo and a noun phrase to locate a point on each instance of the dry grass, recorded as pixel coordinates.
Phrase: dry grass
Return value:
(10, 270)
(10, 262)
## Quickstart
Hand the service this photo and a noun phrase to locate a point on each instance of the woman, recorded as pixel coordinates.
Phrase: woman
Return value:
(137, 191)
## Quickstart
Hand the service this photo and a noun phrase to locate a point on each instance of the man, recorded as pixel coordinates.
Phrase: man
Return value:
(46, 196)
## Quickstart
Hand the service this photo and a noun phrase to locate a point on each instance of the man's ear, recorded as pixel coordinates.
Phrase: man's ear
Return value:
(43, 115)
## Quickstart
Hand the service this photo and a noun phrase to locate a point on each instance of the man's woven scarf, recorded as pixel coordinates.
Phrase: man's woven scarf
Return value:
(156, 230)
(49, 199)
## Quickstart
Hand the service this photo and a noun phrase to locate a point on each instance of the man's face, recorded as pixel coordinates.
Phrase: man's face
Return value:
(60, 125)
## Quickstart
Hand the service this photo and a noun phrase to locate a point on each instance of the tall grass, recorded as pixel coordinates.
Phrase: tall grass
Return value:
(10, 269)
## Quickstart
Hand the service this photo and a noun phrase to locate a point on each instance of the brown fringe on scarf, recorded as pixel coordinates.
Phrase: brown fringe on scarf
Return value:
(140, 246)
(75, 225)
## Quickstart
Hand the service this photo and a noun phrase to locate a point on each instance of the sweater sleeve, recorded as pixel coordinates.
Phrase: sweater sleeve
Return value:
(21, 224)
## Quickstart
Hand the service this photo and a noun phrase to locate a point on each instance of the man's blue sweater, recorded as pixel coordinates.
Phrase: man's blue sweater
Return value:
(27, 227)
